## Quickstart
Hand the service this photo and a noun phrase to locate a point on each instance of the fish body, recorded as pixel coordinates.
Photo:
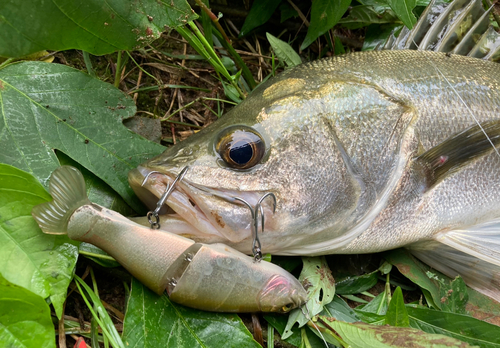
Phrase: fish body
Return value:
(364, 152)
(208, 277)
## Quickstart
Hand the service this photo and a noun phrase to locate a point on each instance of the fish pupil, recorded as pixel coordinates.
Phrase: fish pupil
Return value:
(241, 153)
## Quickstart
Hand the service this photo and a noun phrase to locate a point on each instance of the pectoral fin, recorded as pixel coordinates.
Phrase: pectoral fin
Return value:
(458, 151)
(472, 253)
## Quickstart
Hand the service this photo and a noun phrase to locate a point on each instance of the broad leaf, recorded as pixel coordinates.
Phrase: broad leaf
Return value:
(482, 307)
(50, 106)
(24, 318)
(38, 262)
(340, 310)
(377, 306)
(284, 51)
(377, 35)
(403, 9)
(320, 285)
(462, 327)
(374, 336)
(416, 271)
(454, 294)
(396, 313)
(153, 321)
(96, 26)
(260, 13)
(362, 16)
(324, 15)
(356, 284)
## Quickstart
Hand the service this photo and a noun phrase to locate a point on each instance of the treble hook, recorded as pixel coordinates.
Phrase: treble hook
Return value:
(168, 191)
(256, 245)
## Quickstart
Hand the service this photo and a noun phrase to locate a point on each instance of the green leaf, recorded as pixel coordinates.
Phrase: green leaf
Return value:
(459, 326)
(483, 307)
(153, 320)
(260, 13)
(284, 51)
(377, 306)
(324, 15)
(362, 16)
(50, 106)
(396, 313)
(356, 284)
(95, 26)
(24, 318)
(320, 285)
(416, 271)
(454, 294)
(38, 262)
(403, 9)
(375, 336)
(340, 310)
(377, 35)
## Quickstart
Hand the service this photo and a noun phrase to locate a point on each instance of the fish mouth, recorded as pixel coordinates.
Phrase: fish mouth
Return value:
(204, 209)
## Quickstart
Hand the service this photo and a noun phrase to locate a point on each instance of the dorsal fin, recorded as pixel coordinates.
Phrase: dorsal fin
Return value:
(458, 151)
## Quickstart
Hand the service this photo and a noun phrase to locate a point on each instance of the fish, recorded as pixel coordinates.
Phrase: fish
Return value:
(364, 152)
(208, 277)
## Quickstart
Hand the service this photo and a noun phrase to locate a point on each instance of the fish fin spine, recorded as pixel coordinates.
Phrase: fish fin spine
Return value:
(67, 188)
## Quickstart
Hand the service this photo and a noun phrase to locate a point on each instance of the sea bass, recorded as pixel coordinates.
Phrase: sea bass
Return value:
(364, 152)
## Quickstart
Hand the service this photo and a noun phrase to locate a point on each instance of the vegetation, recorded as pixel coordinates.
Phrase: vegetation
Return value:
(72, 81)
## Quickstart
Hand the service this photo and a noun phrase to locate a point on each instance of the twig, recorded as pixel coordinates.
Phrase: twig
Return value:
(62, 334)
(136, 95)
(301, 15)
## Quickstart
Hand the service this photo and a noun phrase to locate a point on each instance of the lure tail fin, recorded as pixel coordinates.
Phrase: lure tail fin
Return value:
(67, 188)
(472, 253)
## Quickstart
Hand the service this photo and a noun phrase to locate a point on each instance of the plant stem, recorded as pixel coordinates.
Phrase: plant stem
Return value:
(118, 72)
(214, 19)
(88, 63)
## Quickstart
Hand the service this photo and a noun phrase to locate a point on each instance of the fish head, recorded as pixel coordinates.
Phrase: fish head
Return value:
(276, 141)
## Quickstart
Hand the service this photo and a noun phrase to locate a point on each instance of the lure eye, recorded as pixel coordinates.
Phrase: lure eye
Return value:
(240, 147)
(286, 308)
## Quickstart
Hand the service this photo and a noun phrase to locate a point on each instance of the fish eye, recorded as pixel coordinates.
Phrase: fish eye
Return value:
(240, 147)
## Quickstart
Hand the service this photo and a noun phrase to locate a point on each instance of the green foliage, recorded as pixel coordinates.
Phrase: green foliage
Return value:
(259, 14)
(41, 263)
(320, 285)
(83, 120)
(284, 51)
(152, 319)
(24, 318)
(324, 15)
(404, 10)
(396, 313)
(99, 314)
(94, 26)
(366, 335)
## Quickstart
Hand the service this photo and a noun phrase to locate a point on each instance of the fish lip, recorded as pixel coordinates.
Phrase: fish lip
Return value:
(183, 200)
(150, 192)
(188, 203)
